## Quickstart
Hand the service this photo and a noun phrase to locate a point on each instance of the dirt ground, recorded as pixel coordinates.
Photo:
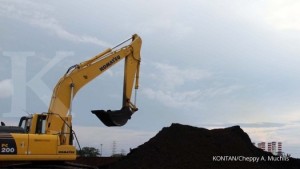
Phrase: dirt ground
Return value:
(182, 146)
(100, 162)
(187, 147)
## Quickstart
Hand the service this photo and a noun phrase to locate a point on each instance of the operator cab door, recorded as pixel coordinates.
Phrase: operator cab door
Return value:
(17, 143)
(41, 143)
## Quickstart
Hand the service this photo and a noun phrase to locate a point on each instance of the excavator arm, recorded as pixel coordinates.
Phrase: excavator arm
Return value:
(49, 136)
(79, 75)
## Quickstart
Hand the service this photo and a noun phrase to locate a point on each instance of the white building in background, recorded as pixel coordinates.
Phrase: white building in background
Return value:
(279, 150)
(269, 147)
(272, 147)
(262, 145)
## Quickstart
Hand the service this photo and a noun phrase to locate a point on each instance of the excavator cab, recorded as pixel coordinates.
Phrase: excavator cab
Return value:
(114, 118)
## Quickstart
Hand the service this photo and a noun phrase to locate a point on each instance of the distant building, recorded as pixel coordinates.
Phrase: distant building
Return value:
(271, 147)
(262, 145)
(279, 152)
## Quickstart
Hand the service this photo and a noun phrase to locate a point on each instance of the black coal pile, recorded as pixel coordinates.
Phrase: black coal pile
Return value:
(181, 147)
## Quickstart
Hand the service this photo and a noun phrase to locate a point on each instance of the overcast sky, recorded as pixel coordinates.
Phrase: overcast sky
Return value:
(206, 63)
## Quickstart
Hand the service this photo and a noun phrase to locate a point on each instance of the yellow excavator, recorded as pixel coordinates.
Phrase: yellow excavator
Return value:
(49, 136)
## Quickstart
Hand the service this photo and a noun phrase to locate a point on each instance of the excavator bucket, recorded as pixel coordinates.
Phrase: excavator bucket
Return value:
(113, 118)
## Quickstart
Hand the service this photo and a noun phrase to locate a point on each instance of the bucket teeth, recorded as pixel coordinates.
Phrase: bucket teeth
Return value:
(113, 118)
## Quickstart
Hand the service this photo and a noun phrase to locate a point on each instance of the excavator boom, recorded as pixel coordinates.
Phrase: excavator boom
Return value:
(79, 75)
(49, 136)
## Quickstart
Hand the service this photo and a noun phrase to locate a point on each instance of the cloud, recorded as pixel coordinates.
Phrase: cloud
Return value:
(176, 29)
(174, 99)
(6, 88)
(190, 99)
(283, 14)
(35, 14)
(170, 76)
(178, 87)
(292, 116)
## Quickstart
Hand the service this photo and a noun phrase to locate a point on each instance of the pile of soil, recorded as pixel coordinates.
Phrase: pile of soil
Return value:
(182, 146)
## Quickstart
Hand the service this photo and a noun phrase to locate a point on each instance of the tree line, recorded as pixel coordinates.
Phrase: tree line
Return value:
(94, 152)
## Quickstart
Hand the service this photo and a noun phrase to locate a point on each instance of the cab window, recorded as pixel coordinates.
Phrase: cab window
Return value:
(41, 124)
